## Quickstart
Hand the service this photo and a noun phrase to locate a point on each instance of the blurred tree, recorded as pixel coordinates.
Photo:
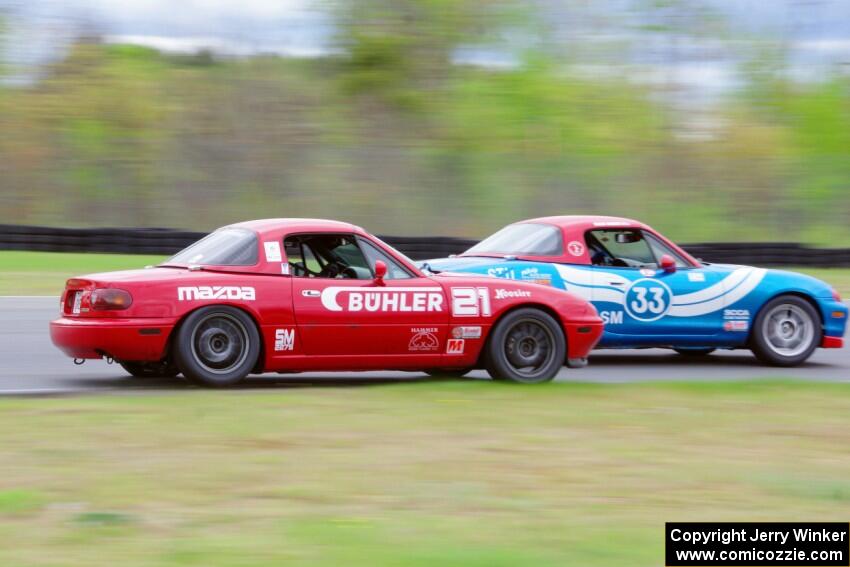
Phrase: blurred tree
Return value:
(402, 50)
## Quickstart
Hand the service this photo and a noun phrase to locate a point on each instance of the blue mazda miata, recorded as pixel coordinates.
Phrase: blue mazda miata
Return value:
(651, 293)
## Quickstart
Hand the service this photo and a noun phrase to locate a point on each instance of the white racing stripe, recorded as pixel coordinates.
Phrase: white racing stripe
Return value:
(715, 290)
(753, 279)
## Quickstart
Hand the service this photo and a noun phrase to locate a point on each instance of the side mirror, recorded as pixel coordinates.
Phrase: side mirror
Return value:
(380, 272)
(668, 264)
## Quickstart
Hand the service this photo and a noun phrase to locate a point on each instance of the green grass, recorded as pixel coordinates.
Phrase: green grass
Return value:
(44, 273)
(436, 473)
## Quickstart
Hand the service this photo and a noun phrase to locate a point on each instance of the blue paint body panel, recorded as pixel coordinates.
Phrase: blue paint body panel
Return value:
(710, 306)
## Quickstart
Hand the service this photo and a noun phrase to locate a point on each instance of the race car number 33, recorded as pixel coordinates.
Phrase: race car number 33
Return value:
(648, 300)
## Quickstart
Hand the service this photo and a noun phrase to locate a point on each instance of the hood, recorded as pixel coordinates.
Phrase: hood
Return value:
(460, 263)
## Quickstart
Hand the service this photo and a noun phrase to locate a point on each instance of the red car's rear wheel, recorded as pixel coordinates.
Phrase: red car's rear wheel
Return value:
(217, 346)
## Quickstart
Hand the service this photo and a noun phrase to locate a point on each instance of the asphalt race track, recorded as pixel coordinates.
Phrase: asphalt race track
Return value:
(30, 364)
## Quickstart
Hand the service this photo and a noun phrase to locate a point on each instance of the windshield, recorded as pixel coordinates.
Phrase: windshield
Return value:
(522, 239)
(224, 247)
(396, 250)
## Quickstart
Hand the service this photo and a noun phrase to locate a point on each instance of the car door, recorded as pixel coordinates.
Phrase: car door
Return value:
(351, 314)
(643, 304)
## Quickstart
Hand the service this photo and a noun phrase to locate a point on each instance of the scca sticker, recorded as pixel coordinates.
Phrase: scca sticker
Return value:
(397, 299)
(575, 248)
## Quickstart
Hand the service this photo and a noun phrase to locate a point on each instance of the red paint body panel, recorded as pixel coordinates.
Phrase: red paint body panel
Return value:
(118, 338)
(316, 323)
(832, 342)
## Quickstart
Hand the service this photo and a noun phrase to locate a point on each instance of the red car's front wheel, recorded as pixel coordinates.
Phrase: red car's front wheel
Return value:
(526, 346)
(217, 346)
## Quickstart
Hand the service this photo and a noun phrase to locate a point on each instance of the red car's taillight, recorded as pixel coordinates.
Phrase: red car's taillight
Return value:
(110, 299)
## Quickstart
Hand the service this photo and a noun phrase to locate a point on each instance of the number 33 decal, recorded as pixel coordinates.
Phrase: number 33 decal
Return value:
(648, 300)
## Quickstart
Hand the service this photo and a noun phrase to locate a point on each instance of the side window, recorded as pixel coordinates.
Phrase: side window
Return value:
(394, 270)
(334, 256)
(660, 249)
(619, 248)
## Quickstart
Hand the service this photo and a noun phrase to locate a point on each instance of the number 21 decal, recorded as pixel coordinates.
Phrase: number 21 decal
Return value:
(471, 302)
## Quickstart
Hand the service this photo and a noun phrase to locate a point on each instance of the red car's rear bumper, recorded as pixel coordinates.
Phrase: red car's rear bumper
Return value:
(122, 339)
(832, 342)
(582, 337)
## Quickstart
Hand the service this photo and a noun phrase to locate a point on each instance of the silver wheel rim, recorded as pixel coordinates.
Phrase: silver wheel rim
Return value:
(788, 330)
(529, 348)
(220, 343)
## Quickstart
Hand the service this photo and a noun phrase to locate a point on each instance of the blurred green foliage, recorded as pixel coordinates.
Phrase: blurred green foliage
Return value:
(388, 132)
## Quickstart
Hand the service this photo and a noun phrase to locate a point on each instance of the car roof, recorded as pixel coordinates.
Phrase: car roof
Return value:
(299, 225)
(586, 222)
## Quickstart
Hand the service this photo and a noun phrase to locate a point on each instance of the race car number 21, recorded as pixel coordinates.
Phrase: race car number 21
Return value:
(471, 302)
(648, 300)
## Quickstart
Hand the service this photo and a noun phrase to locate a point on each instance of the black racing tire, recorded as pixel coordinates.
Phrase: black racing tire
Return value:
(217, 346)
(150, 369)
(448, 372)
(695, 352)
(786, 332)
(527, 346)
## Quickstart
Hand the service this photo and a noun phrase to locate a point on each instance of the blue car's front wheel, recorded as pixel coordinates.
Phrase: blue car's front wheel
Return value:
(787, 330)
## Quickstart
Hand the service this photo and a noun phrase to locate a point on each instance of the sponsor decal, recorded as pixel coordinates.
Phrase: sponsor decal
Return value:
(648, 300)
(575, 248)
(471, 302)
(696, 277)
(393, 299)
(284, 268)
(736, 313)
(284, 339)
(536, 276)
(466, 332)
(511, 293)
(215, 292)
(612, 317)
(423, 340)
(501, 272)
(611, 223)
(736, 326)
(272, 251)
(454, 346)
(647, 272)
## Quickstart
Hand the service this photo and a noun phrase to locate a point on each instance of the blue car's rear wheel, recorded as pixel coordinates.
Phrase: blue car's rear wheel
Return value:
(786, 332)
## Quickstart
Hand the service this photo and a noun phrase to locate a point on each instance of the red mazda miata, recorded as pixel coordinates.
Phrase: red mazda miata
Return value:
(293, 295)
